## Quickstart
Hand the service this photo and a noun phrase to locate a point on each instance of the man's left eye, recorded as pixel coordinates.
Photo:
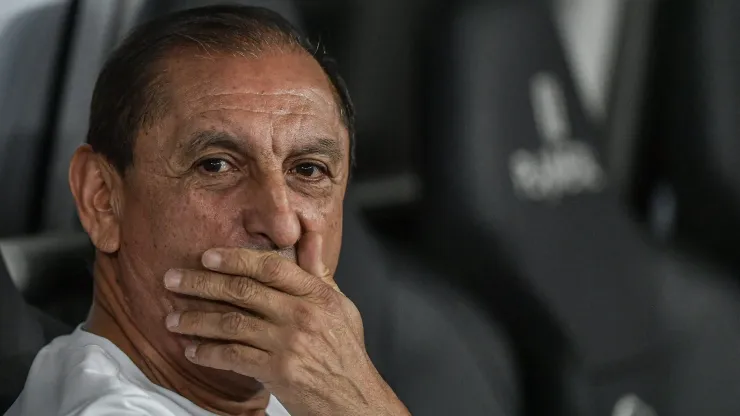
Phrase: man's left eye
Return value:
(310, 170)
(215, 165)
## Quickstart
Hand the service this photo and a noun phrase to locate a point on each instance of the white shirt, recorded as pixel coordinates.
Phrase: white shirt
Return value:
(82, 374)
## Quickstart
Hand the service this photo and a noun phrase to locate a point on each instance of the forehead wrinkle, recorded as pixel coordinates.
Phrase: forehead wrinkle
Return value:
(304, 100)
(314, 144)
(290, 93)
(280, 112)
(303, 140)
(318, 125)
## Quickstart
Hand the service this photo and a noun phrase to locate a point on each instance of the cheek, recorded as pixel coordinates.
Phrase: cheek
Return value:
(164, 228)
(196, 221)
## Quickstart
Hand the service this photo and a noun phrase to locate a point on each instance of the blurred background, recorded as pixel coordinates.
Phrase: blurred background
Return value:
(571, 166)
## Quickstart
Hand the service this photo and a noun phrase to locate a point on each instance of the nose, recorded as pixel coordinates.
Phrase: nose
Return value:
(270, 215)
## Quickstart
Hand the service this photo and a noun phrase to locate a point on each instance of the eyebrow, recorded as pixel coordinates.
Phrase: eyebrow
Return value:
(324, 146)
(205, 139)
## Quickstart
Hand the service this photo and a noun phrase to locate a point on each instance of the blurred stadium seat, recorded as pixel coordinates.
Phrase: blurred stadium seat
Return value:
(690, 128)
(99, 26)
(623, 147)
(513, 170)
(31, 65)
(25, 330)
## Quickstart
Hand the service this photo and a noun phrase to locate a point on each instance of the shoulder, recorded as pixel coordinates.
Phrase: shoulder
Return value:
(75, 375)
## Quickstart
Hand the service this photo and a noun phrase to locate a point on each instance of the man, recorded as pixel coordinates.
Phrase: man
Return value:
(211, 186)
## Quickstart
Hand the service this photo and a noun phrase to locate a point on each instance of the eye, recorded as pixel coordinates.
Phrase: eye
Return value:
(310, 170)
(215, 165)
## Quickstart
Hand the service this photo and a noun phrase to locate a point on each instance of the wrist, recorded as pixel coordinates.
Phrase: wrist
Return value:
(388, 403)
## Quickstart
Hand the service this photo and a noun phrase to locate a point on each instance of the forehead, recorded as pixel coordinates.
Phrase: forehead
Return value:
(276, 82)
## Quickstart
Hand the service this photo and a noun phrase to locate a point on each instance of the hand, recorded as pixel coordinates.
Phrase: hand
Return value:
(302, 338)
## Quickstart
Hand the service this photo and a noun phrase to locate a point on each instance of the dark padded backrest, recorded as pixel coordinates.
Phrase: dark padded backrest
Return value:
(32, 43)
(99, 25)
(286, 8)
(363, 275)
(535, 179)
(512, 168)
(382, 72)
(52, 272)
(624, 142)
(436, 347)
(20, 338)
(23, 332)
(693, 121)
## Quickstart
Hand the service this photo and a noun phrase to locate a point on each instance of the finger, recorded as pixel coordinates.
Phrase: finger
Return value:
(232, 326)
(242, 292)
(242, 359)
(310, 252)
(266, 267)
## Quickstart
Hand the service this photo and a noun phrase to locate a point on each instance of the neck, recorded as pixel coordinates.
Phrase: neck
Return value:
(111, 320)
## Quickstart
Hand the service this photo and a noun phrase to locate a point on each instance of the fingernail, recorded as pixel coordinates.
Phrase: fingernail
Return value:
(172, 278)
(212, 259)
(190, 352)
(173, 320)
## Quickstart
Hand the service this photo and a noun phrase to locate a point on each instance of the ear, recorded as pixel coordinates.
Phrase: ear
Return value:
(97, 187)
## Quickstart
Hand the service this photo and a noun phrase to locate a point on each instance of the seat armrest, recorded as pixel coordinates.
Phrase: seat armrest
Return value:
(40, 262)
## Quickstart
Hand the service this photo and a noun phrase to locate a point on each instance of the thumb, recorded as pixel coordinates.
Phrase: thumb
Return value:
(310, 252)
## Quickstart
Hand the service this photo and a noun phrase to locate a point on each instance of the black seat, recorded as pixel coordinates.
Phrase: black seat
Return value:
(24, 330)
(98, 27)
(691, 129)
(436, 346)
(623, 143)
(32, 51)
(512, 172)
(51, 272)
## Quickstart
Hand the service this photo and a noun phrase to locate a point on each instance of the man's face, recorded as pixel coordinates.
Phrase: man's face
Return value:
(251, 153)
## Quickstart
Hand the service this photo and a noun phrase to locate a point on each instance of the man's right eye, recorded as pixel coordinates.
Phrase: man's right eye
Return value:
(215, 165)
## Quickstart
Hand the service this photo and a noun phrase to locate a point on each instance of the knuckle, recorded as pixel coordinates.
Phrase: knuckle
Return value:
(199, 283)
(260, 360)
(332, 300)
(299, 342)
(193, 319)
(231, 353)
(327, 293)
(240, 262)
(232, 323)
(354, 312)
(305, 317)
(291, 370)
(272, 265)
(240, 289)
